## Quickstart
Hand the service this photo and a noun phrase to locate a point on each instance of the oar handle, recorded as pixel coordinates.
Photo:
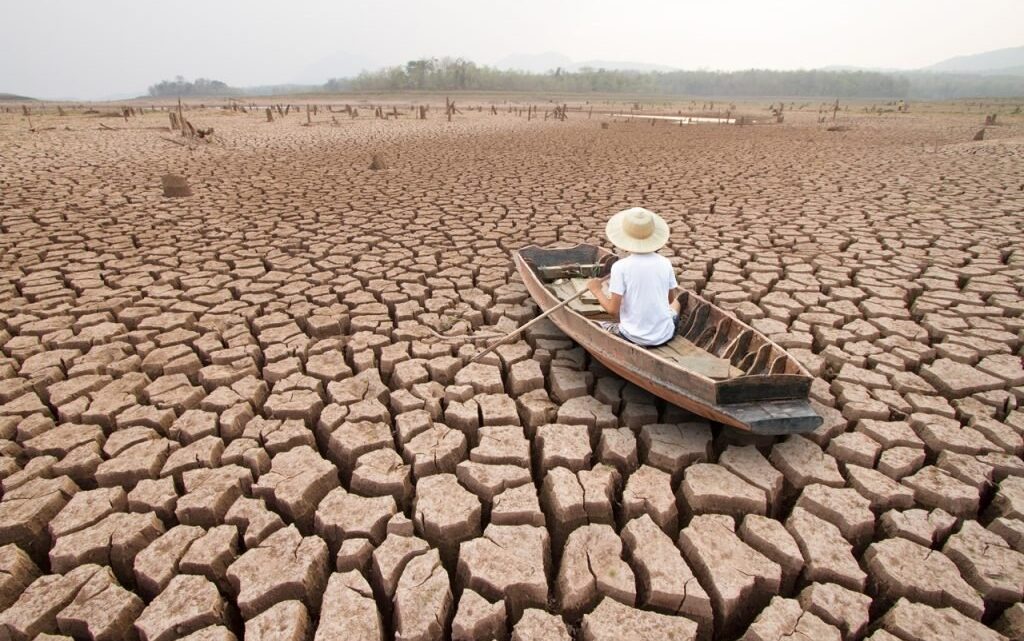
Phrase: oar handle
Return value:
(520, 330)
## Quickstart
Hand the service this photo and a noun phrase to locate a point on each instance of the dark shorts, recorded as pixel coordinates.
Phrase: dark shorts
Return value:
(613, 328)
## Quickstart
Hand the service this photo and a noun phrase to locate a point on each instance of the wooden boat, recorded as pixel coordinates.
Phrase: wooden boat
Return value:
(716, 366)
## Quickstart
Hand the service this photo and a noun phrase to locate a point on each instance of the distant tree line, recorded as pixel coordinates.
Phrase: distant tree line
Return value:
(198, 87)
(457, 74)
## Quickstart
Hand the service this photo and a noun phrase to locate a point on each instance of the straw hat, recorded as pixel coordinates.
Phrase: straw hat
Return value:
(637, 230)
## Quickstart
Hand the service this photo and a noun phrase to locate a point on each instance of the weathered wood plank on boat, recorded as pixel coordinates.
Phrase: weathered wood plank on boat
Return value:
(717, 366)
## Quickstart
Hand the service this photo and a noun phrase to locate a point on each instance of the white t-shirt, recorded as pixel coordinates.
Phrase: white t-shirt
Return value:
(643, 281)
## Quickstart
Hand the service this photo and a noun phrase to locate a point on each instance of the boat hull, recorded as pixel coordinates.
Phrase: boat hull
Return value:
(678, 386)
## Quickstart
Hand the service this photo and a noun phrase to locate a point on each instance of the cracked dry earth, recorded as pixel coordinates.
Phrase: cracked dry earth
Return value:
(228, 415)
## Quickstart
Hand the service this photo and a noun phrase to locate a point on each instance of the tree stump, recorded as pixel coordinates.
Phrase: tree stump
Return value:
(175, 186)
(377, 162)
(980, 135)
(270, 115)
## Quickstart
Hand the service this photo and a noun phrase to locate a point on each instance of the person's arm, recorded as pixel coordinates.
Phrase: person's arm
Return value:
(611, 304)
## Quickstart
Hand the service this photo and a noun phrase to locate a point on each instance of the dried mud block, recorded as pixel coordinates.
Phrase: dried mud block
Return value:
(102, 609)
(566, 383)
(354, 554)
(277, 436)
(535, 409)
(26, 511)
(157, 564)
(517, 506)
(592, 567)
(487, 481)
(749, 464)
(880, 490)
(175, 186)
(1010, 530)
(477, 619)
(739, 579)
(920, 526)
(613, 621)
(562, 446)
(956, 380)
(988, 563)
(538, 625)
(203, 452)
(510, 563)
(770, 538)
(36, 608)
(525, 376)
(445, 514)
(342, 515)
(1009, 499)
(889, 434)
(483, 378)
(837, 606)
(154, 495)
(353, 439)
(284, 566)
(712, 489)
(587, 410)
(284, 621)
(296, 483)
(666, 583)
(600, 486)
(423, 600)
(935, 488)
(635, 414)
(909, 620)
(901, 568)
(784, 619)
(188, 604)
(618, 448)
(349, 610)
(382, 473)
(211, 554)
(803, 463)
(844, 508)
(62, 439)
(410, 424)
(899, 462)
(564, 502)
(854, 448)
(17, 572)
(671, 447)
(253, 520)
(87, 508)
(828, 557)
(648, 490)
(210, 493)
(502, 445)
(114, 541)
(1011, 623)
(437, 450)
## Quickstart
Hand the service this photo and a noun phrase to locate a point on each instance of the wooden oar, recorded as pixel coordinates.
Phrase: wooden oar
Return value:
(516, 332)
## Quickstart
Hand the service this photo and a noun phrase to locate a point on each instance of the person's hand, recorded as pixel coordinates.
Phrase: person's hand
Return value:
(596, 285)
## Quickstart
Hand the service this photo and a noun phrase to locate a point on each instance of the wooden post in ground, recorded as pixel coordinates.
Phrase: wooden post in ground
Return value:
(181, 118)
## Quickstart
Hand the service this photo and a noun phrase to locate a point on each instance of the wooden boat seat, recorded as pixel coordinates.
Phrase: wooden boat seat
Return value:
(585, 305)
(682, 351)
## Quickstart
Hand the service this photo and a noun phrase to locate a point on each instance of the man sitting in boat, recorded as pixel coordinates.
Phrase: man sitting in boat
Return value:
(642, 287)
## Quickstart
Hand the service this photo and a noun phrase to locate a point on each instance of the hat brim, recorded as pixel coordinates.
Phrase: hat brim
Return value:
(618, 236)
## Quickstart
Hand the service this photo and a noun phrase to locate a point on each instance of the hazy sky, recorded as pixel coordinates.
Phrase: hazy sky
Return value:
(103, 48)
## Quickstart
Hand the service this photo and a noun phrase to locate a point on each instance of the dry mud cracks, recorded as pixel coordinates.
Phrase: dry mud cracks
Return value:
(228, 414)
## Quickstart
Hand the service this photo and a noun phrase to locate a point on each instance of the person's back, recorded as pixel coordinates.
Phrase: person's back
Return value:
(642, 286)
(644, 281)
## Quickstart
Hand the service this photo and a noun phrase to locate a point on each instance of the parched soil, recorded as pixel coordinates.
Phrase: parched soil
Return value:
(230, 414)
